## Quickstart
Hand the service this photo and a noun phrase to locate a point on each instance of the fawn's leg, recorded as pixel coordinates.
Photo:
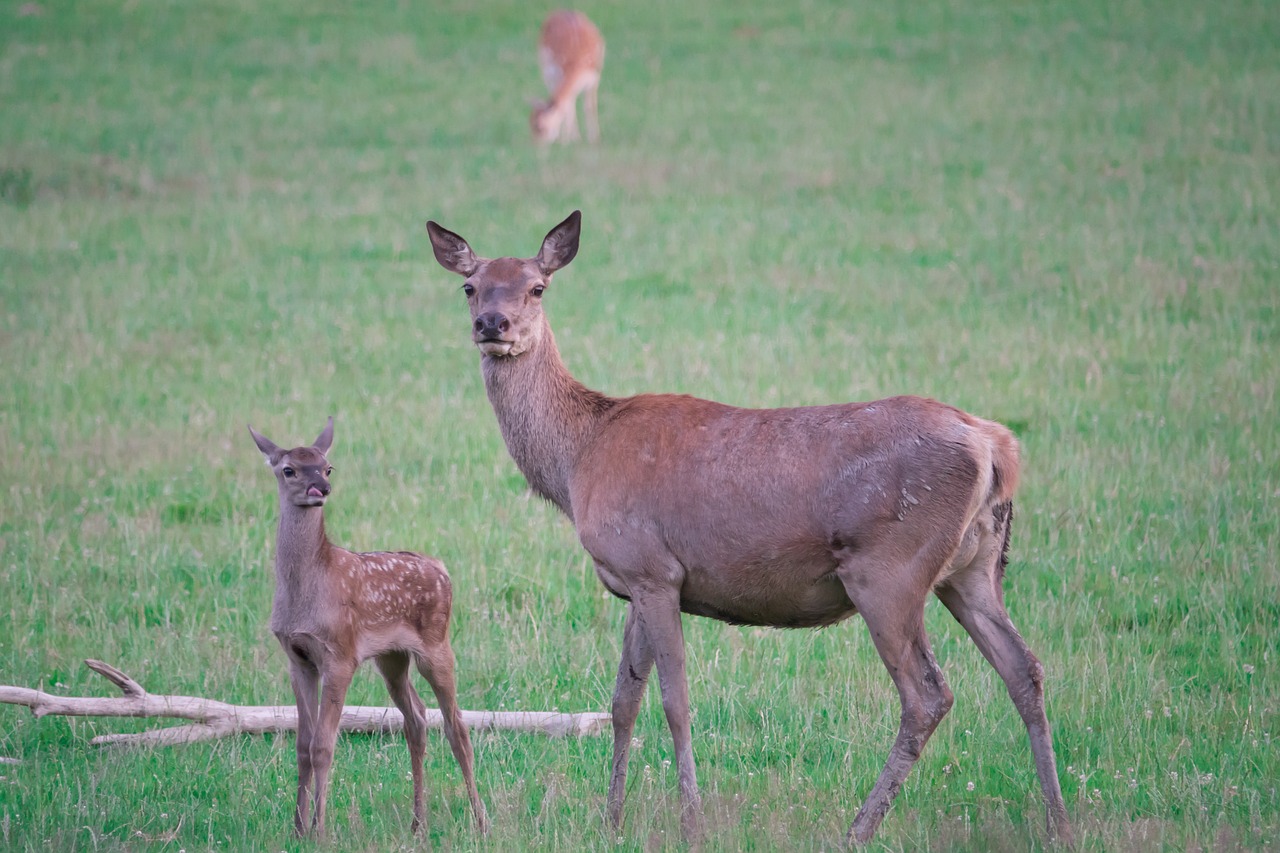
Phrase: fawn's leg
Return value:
(394, 667)
(335, 679)
(437, 667)
(304, 678)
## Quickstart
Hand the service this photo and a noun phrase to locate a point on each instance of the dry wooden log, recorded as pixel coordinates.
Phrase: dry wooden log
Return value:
(213, 719)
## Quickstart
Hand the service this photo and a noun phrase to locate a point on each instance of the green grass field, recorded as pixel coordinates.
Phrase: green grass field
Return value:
(1062, 216)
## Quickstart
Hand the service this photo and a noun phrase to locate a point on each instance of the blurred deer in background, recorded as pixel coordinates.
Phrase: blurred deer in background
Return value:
(334, 608)
(795, 518)
(571, 55)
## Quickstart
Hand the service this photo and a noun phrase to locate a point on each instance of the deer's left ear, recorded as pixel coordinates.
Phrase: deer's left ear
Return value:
(267, 446)
(325, 440)
(560, 246)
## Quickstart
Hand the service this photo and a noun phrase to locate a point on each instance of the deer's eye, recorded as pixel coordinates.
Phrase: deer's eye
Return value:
(538, 290)
(328, 472)
(288, 472)
(468, 290)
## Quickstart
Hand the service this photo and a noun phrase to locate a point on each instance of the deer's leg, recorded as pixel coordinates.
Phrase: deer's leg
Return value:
(892, 605)
(974, 598)
(437, 667)
(590, 114)
(571, 120)
(633, 675)
(336, 678)
(394, 667)
(304, 678)
(659, 614)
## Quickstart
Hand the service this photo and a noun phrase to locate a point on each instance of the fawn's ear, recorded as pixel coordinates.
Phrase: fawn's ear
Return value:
(325, 440)
(452, 251)
(560, 246)
(267, 446)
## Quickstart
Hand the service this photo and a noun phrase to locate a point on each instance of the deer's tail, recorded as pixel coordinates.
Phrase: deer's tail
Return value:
(1005, 462)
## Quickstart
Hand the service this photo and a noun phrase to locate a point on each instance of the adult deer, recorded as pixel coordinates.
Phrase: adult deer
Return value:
(787, 517)
(334, 609)
(571, 55)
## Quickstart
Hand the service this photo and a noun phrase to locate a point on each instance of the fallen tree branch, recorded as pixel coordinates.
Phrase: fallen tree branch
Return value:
(213, 719)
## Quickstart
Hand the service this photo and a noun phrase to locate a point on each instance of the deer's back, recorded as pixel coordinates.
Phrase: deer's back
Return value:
(569, 45)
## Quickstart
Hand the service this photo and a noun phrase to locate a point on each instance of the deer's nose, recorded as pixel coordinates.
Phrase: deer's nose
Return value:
(492, 324)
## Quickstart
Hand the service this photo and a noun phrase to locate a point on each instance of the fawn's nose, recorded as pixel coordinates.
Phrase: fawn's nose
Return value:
(319, 490)
(492, 324)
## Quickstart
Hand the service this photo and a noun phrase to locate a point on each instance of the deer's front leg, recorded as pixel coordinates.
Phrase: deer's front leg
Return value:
(633, 675)
(333, 692)
(304, 678)
(658, 612)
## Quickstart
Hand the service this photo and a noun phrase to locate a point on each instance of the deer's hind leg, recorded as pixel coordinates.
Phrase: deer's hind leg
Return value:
(891, 597)
(394, 667)
(591, 111)
(975, 598)
(437, 665)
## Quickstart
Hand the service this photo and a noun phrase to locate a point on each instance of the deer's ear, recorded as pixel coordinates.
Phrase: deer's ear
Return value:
(266, 445)
(325, 440)
(561, 244)
(452, 251)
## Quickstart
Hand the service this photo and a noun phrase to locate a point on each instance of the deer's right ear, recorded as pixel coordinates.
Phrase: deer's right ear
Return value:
(452, 251)
(325, 441)
(561, 244)
(266, 445)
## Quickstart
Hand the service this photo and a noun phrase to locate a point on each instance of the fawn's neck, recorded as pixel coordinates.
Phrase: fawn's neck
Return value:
(303, 553)
(546, 416)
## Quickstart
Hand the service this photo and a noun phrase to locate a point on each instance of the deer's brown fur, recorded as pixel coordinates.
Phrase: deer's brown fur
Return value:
(788, 517)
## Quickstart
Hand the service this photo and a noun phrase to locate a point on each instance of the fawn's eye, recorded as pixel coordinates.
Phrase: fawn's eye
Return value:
(328, 472)
(468, 290)
(538, 290)
(288, 472)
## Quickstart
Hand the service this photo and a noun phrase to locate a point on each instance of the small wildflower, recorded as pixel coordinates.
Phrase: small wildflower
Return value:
(969, 787)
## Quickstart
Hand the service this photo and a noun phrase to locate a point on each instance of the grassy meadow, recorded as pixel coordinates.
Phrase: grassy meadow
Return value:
(1058, 215)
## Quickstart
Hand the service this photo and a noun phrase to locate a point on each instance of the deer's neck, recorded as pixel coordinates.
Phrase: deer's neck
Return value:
(302, 561)
(546, 416)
